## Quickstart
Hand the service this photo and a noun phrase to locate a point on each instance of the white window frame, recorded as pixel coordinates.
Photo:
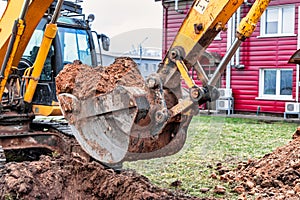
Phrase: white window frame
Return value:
(277, 96)
(280, 17)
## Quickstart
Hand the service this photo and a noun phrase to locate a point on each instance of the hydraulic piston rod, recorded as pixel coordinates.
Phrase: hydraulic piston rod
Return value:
(50, 33)
(245, 30)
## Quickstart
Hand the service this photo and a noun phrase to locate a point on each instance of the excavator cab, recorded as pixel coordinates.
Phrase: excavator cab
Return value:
(39, 38)
(74, 41)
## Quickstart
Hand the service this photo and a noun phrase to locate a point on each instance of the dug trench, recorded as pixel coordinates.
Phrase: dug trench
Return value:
(60, 178)
(275, 176)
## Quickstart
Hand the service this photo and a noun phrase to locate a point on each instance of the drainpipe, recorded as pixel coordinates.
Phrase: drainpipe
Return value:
(177, 7)
(238, 52)
(297, 83)
(165, 31)
(247, 3)
(230, 34)
(236, 18)
(297, 66)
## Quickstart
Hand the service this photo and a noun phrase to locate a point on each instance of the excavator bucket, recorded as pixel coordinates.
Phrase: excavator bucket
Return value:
(125, 123)
(118, 126)
(104, 124)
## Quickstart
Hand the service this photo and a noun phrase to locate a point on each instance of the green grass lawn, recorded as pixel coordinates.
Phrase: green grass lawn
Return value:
(212, 140)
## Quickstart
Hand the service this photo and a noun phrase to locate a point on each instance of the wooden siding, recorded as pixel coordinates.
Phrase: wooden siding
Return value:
(259, 53)
(255, 53)
(172, 21)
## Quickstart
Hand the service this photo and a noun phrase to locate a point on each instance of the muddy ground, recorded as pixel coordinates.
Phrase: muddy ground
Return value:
(61, 178)
(275, 176)
(84, 81)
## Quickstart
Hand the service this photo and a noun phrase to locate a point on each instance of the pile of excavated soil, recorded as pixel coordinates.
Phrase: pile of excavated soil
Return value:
(275, 176)
(84, 81)
(60, 178)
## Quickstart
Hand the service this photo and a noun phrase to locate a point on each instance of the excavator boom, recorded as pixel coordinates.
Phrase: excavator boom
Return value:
(131, 123)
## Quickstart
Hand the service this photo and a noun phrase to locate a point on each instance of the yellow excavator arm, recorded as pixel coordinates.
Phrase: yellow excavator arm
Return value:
(14, 41)
(16, 44)
(203, 22)
(112, 134)
(35, 12)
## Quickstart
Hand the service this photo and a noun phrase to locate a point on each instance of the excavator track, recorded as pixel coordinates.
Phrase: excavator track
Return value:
(58, 124)
(43, 135)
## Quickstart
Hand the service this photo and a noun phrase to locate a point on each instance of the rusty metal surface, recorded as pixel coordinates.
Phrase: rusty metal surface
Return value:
(103, 125)
(47, 140)
(12, 117)
(295, 58)
(175, 141)
(119, 125)
(13, 129)
(13, 123)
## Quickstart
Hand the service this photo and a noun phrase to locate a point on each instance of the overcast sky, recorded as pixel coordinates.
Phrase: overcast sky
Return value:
(114, 16)
(2, 6)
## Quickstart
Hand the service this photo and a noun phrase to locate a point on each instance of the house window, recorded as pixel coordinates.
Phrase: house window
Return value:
(146, 67)
(276, 83)
(154, 68)
(278, 21)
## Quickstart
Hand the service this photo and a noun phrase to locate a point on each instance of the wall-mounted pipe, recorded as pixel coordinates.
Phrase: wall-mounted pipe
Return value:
(165, 31)
(247, 3)
(177, 7)
(230, 36)
(297, 66)
(238, 53)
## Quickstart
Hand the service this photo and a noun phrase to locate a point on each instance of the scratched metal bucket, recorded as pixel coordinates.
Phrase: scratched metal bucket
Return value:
(118, 126)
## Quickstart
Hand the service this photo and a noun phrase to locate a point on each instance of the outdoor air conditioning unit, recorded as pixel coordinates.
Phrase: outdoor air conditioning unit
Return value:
(224, 104)
(292, 107)
(225, 93)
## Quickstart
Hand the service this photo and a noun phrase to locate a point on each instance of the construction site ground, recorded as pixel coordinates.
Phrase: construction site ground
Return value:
(56, 176)
(276, 175)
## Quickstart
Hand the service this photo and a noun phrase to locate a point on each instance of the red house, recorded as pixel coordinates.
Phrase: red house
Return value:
(259, 76)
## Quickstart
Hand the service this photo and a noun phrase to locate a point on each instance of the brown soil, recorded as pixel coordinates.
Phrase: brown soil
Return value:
(84, 81)
(275, 176)
(60, 178)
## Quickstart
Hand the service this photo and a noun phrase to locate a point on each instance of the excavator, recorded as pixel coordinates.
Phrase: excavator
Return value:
(74, 40)
(126, 124)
